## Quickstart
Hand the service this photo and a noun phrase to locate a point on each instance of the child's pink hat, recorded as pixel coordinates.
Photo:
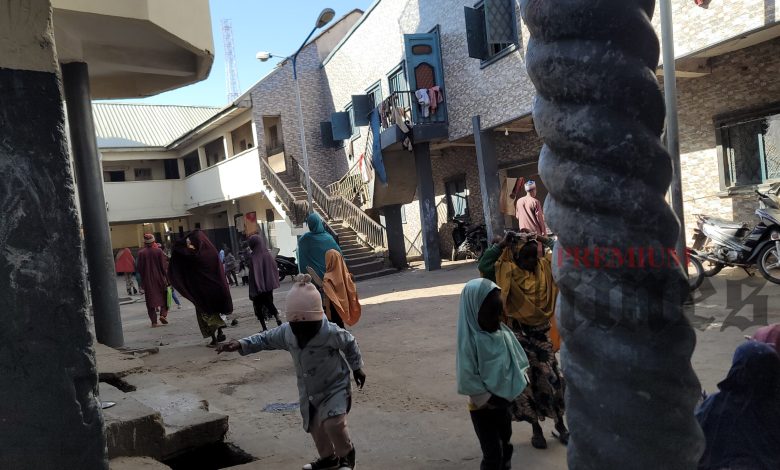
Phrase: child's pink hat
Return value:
(304, 302)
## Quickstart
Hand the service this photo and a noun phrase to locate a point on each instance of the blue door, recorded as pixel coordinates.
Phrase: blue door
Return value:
(425, 71)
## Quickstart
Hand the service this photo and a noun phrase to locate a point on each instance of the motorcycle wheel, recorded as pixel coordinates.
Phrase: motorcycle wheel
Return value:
(711, 269)
(769, 263)
(695, 273)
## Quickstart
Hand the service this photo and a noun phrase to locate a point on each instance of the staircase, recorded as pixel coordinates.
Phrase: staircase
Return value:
(362, 260)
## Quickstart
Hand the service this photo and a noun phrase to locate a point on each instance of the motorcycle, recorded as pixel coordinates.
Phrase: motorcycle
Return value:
(719, 243)
(287, 266)
(469, 241)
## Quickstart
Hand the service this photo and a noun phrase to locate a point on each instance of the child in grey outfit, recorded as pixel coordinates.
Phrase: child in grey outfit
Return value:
(324, 386)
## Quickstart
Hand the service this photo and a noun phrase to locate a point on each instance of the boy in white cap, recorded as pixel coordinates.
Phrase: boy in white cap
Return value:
(528, 210)
(324, 387)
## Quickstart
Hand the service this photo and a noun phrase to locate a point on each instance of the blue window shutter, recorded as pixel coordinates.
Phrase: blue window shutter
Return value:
(342, 128)
(500, 26)
(361, 107)
(326, 133)
(475, 33)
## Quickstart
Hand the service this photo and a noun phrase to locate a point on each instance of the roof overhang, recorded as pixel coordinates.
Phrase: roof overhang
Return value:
(135, 48)
(223, 116)
(697, 63)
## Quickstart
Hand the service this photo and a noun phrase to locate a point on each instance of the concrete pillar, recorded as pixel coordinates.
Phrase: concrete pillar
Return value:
(232, 210)
(395, 236)
(202, 158)
(227, 141)
(89, 178)
(50, 414)
(489, 184)
(427, 197)
(627, 345)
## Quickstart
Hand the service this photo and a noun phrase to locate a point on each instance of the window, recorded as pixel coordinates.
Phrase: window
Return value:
(171, 166)
(115, 176)
(355, 129)
(491, 30)
(375, 94)
(143, 174)
(397, 82)
(751, 149)
(191, 163)
(457, 198)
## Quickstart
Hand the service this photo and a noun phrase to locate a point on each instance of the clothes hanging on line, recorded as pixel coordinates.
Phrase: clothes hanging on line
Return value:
(424, 101)
(436, 97)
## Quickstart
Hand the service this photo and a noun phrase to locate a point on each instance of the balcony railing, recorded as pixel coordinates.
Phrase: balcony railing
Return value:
(296, 210)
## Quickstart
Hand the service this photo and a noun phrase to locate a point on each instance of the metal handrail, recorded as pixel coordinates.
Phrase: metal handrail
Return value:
(297, 210)
(337, 207)
(406, 102)
(351, 186)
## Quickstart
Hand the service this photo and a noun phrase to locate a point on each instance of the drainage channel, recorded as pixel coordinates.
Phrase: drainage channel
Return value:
(211, 457)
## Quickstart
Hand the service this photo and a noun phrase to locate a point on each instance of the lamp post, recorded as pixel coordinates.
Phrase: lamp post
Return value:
(324, 18)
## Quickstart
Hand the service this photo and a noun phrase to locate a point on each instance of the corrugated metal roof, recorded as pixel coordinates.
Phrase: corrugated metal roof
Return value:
(121, 125)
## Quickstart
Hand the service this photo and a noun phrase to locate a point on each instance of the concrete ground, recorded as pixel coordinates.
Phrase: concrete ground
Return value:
(409, 414)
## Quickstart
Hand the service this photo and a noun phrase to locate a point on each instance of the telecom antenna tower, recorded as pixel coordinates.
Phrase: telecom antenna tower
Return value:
(231, 72)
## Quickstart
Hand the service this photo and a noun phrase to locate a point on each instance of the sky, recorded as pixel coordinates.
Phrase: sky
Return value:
(276, 26)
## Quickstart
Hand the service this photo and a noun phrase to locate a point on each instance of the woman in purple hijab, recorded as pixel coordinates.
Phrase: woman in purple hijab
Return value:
(263, 279)
(196, 272)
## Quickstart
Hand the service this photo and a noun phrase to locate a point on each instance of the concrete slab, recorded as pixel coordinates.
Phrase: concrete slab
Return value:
(136, 463)
(186, 418)
(113, 364)
(132, 428)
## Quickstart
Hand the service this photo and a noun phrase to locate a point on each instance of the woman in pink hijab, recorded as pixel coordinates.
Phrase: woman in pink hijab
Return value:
(770, 335)
(263, 280)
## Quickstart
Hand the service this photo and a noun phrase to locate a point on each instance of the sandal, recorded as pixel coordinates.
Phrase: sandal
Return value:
(539, 442)
(164, 320)
(221, 338)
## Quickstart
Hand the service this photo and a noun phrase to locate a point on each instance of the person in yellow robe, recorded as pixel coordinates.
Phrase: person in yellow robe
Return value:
(529, 294)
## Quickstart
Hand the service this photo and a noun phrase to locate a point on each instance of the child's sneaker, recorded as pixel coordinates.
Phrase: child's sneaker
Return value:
(327, 463)
(348, 461)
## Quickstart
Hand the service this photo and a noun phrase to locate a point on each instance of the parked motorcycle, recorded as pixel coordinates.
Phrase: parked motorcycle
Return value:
(469, 241)
(287, 266)
(719, 243)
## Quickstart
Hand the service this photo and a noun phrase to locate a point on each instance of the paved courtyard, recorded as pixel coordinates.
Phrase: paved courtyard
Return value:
(409, 414)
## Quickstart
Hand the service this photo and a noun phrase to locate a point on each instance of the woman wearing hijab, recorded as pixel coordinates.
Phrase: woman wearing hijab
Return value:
(263, 280)
(490, 370)
(741, 421)
(529, 293)
(770, 335)
(125, 264)
(313, 245)
(196, 272)
(153, 266)
(339, 288)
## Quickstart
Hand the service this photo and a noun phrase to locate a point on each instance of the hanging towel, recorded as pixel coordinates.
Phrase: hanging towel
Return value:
(436, 97)
(424, 101)
(507, 201)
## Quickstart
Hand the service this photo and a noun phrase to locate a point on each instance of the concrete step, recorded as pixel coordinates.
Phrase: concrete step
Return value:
(131, 428)
(367, 267)
(375, 274)
(136, 463)
(353, 260)
(186, 418)
(355, 250)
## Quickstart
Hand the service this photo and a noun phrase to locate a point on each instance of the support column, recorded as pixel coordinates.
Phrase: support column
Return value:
(204, 162)
(489, 183)
(627, 345)
(427, 197)
(395, 236)
(89, 178)
(50, 414)
(227, 140)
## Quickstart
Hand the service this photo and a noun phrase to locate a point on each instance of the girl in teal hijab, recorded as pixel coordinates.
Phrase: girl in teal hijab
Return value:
(313, 245)
(491, 368)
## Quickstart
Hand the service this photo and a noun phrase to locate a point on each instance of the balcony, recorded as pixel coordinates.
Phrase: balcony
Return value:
(233, 178)
(133, 201)
(403, 106)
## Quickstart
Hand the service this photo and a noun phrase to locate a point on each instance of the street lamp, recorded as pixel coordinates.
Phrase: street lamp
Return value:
(324, 18)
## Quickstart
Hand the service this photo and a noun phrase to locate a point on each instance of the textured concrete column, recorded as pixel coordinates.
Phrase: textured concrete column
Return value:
(204, 162)
(49, 413)
(488, 179)
(395, 236)
(89, 177)
(626, 344)
(427, 197)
